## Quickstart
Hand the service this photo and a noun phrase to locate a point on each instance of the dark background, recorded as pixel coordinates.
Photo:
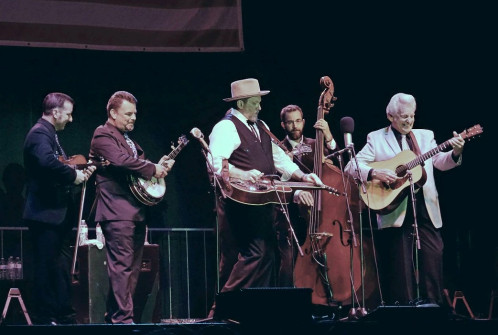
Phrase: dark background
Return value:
(442, 54)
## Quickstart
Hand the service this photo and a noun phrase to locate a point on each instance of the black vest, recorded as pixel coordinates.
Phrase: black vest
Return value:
(252, 154)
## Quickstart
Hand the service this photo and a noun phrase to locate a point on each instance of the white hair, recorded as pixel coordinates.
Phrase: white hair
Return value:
(398, 101)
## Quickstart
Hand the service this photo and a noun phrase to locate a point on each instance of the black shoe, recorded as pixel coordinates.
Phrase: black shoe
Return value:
(107, 319)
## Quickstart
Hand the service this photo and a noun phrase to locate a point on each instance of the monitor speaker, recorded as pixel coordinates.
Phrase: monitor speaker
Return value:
(266, 306)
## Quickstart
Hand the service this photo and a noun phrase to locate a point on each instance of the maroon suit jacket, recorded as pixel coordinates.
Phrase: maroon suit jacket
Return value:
(114, 199)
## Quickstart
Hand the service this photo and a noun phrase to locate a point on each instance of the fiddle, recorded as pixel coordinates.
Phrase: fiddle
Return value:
(79, 162)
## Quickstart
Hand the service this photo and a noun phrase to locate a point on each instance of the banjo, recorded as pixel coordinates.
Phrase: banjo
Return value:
(151, 192)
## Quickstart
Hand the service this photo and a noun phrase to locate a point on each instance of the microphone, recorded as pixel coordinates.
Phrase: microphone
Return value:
(347, 127)
(197, 133)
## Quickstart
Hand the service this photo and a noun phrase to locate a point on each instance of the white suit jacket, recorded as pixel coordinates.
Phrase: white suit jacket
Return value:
(382, 145)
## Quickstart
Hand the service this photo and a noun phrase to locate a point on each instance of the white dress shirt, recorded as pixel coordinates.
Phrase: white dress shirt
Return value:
(224, 140)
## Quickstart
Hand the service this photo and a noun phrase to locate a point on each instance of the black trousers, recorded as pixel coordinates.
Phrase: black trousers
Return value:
(399, 259)
(247, 245)
(52, 259)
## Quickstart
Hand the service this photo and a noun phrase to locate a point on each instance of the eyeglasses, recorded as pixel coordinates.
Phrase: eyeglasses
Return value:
(292, 122)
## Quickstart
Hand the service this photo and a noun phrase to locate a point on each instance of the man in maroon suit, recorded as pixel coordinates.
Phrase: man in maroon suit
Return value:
(120, 214)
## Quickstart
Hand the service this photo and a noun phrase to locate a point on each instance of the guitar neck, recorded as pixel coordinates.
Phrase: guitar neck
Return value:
(296, 184)
(422, 158)
(176, 151)
(466, 135)
(307, 186)
(182, 142)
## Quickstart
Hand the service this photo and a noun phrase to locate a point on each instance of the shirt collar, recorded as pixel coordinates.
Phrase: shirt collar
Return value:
(240, 116)
(295, 143)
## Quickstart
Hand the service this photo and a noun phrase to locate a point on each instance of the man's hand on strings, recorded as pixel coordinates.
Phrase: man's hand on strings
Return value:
(384, 175)
(312, 178)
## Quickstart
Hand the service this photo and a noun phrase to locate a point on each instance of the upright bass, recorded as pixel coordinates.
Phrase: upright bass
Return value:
(331, 264)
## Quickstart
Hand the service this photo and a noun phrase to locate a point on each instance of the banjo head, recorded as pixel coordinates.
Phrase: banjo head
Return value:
(154, 188)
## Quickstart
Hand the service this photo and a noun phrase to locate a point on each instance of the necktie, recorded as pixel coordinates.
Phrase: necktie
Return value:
(253, 129)
(59, 147)
(404, 143)
(131, 144)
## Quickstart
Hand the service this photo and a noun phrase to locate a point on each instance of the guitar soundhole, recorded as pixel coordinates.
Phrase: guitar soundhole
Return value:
(400, 171)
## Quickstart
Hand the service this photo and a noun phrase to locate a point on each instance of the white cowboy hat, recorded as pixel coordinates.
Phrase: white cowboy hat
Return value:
(245, 88)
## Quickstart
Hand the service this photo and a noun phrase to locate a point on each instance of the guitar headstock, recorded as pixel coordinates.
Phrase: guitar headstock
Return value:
(182, 140)
(471, 132)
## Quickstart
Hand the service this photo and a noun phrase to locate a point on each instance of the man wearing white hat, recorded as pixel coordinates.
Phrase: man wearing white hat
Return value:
(247, 236)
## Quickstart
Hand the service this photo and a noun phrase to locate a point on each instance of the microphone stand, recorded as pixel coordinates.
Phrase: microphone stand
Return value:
(352, 242)
(415, 232)
(360, 182)
(286, 214)
(215, 183)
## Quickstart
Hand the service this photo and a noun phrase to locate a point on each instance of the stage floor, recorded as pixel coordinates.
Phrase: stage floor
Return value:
(385, 321)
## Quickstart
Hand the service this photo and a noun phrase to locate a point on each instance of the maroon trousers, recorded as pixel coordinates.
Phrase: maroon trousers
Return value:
(125, 245)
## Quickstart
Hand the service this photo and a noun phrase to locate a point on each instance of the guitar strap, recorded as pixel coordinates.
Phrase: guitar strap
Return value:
(275, 140)
(416, 148)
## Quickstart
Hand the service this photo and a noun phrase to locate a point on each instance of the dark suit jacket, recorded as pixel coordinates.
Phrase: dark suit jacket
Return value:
(49, 182)
(115, 201)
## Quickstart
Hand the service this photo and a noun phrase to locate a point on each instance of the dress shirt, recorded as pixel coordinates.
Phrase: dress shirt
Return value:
(224, 140)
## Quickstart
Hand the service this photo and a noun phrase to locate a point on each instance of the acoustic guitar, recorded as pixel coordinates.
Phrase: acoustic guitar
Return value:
(385, 198)
(151, 192)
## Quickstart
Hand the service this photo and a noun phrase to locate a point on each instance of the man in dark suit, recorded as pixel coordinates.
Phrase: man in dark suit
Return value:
(302, 151)
(51, 210)
(120, 214)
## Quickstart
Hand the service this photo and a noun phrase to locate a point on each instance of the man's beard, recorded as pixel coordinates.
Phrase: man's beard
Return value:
(295, 135)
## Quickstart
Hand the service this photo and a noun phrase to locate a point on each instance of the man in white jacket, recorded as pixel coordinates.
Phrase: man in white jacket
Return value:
(397, 234)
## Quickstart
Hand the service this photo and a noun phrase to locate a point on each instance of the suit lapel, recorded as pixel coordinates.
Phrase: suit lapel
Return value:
(391, 140)
(120, 137)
